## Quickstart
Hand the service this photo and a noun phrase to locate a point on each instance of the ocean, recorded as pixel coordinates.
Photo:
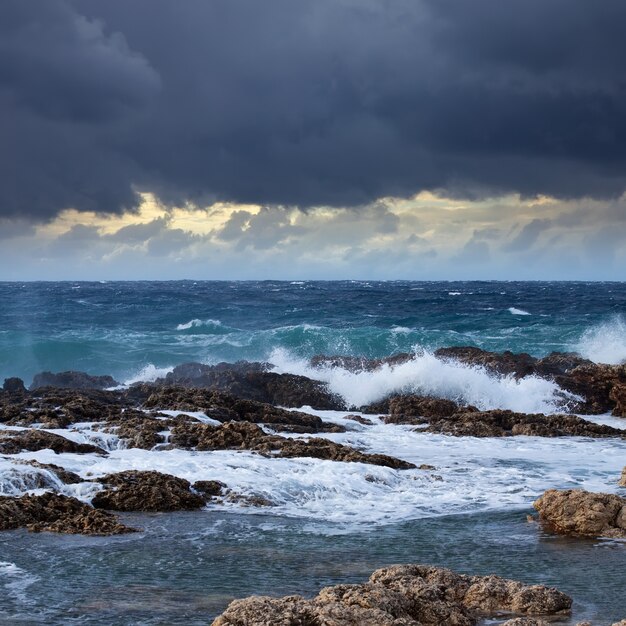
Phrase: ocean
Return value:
(330, 522)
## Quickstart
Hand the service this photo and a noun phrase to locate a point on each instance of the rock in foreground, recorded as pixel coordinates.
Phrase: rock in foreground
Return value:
(402, 595)
(578, 512)
(57, 513)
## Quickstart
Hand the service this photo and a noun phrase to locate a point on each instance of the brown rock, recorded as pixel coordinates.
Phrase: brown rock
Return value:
(579, 512)
(618, 396)
(503, 423)
(56, 513)
(622, 481)
(209, 488)
(404, 595)
(246, 436)
(146, 491)
(526, 621)
(15, 441)
(72, 380)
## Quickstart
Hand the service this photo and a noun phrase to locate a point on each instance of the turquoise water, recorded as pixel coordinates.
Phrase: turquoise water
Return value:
(127, 329)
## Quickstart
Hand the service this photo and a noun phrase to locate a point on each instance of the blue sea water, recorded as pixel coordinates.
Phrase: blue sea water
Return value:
(132, 330)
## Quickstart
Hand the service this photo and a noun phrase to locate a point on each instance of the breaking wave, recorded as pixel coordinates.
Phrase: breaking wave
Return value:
(606, 342)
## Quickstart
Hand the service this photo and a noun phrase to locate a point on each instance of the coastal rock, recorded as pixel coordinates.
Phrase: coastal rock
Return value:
(413, 409)
(404, 595)
(57, 513)
(15, 441)
(504, 423)
(253, 381)
(579, 512)
(65, 476)
(146, 491)
(72, 380)
(503, 363)
(14, 386)
(359, 364)
(526, 621)
(622, 480)
(209, 488)
(247, 436)
(618, 396)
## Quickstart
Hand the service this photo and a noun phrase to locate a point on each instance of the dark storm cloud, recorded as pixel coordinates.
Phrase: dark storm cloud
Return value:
(308, 102)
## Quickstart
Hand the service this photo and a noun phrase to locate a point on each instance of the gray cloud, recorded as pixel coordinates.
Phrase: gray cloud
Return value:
(302, 102)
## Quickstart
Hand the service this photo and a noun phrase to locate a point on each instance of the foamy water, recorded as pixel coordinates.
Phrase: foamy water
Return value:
(605, 343)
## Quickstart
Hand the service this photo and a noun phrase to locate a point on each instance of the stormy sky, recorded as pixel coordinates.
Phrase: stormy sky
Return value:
(312, 139)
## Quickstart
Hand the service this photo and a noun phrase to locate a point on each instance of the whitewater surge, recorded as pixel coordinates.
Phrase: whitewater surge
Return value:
(605, 343)
(425, 374)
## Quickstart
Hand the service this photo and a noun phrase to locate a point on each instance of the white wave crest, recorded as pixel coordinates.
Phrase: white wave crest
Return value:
(605, 343)
(513, 311)
(196, 323)
(148, 374)
(426, 374)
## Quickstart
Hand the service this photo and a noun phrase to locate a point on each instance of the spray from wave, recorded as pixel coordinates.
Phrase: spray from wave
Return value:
(428, 375)
(606, 342)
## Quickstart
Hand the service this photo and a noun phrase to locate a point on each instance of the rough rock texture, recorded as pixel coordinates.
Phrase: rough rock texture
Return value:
(253, 381)
(412, 409)
(246, 436)
(622, 480)
(403, 595)
(579, 512)
(225, 407)
(15, 441)
(72, 380)
(618, 396)
(65, 476)
(359, 364)
(146, 491)
(14, 386)
(57, 513)
(502, 423)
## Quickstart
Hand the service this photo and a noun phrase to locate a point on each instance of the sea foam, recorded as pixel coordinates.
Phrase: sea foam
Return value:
(428, 375)
(606, 342)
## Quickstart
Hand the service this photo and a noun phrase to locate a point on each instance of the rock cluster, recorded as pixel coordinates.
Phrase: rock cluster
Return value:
(72, 380)
(247, 436)
(15, 441)
(402, 595)
(579, 512)
(57, 513)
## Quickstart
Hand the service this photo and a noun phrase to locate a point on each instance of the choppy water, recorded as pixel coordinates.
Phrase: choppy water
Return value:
(186, 567)
(131, 329)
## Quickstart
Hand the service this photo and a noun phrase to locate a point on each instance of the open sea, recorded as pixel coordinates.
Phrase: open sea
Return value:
(331, 522)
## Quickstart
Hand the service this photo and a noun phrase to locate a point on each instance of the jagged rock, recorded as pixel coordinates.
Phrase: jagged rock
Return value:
(359, 364)
(622, 480)
(504, 363)
(56, 513)
(209, 488)
(65, 476)
(146, 491)
(253, 381)
(579, 512)
(14, 385)
(359, 419)
(247, 436)
(618, 396)
(503, 423)
(413, 409)
(15, 441)
(72, 380)
(225, 407)
(403, 595)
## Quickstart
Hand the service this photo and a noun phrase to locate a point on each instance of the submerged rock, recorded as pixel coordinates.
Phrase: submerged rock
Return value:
(15, 441)
(578, 512)
(57, 513)
(503, 423)
(246, 436)
(402, 595)
(146, 491)
(72, 380)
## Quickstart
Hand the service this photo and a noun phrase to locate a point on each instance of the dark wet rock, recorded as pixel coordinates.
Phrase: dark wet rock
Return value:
(253, 381)
(141, 430)
(247, 436)
(359, 364)
(225, 407)
(359, 419)
(15, 441)
(413, 409)
(65, 476)
(502, 423)
(248, 500)
(14, 386)
(503, 363)
(618, 396)
(403, 595)
(57, 513)
(72, 380)
(209, 488)
(578, 512)
(135, 490)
